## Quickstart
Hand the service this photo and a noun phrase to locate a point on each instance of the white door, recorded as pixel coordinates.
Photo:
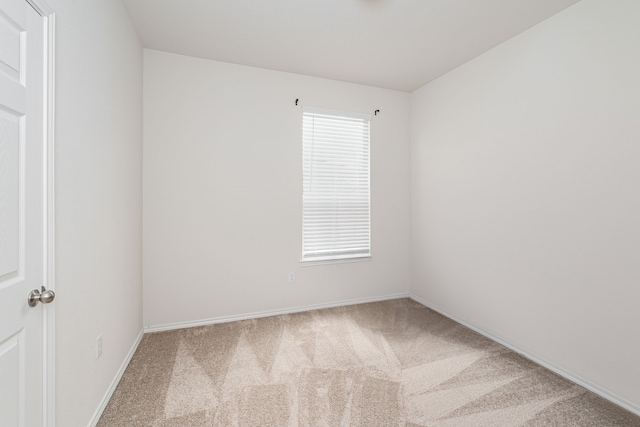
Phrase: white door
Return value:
(23, 215)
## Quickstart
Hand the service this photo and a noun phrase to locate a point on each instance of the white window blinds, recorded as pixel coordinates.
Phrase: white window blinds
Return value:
(336, 220)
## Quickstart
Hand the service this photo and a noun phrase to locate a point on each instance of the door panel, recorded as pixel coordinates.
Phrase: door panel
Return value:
(22, 212)
(10, 43)
(12, 365)
(10, 148)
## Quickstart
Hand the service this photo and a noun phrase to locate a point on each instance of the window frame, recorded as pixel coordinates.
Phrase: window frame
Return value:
(308, 258)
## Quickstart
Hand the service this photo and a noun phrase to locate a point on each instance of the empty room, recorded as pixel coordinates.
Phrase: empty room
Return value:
(283, 213)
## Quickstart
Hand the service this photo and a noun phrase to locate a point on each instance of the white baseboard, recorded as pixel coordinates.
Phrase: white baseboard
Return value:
(606, 394)
(269, 313)
(116, 380)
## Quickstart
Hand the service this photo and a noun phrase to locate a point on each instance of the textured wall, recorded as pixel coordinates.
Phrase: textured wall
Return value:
(98, 200)
(525, 192)
(223, 191)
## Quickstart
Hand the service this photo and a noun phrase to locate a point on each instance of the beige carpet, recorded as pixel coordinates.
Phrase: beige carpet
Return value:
(392, 363)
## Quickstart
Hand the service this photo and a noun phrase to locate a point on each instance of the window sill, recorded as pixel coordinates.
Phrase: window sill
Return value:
(308, 263)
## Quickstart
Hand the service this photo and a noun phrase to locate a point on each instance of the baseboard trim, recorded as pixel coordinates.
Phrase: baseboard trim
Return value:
(269, 313)
(606, 394)
(116, 380)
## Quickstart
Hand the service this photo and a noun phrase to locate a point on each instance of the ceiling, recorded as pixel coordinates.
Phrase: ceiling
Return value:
(394, 44)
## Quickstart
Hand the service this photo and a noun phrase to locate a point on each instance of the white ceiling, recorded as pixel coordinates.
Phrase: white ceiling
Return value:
(394, 44)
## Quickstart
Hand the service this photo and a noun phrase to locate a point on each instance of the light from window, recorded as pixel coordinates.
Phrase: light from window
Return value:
(336, 220)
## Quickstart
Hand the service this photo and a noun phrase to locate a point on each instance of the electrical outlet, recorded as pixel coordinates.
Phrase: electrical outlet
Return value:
(99, 346)
(292, 276)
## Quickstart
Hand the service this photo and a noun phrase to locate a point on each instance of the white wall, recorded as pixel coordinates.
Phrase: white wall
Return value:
(525, 205)
(98, 200)
(222, 191)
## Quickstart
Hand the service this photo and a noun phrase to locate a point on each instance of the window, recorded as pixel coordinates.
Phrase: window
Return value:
(336, 220)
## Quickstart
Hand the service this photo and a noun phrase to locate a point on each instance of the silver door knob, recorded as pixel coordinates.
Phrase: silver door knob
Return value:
(44, 297)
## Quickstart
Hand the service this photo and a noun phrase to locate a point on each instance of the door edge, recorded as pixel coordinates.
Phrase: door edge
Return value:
(43, 8)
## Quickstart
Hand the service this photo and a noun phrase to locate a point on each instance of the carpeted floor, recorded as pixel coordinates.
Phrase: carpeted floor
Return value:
(392, 363)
